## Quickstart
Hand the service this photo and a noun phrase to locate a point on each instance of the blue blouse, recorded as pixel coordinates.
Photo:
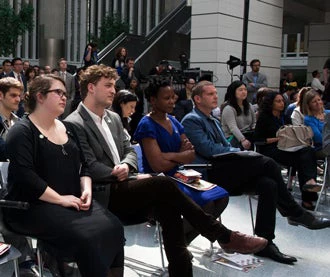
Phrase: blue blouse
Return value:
(317, 127)
(148, 128)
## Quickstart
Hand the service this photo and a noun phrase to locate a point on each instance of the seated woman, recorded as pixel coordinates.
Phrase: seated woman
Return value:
(314, 112)
(297, 118)
(165, 147)
(124, 104)
(271, 118)
(238, 118)
(47, 170)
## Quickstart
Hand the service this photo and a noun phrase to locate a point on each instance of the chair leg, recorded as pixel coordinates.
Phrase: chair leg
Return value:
(160, 240)
(251, 214)
(40, 262)
(323, 189)
(16, 268)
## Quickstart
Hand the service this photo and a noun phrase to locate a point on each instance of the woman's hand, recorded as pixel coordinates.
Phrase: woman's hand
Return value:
(186, 145)
(246, 144)
(86, 200)
(70, 201)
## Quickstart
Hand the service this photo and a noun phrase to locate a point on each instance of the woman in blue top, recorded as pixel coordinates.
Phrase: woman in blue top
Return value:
(314, 112)
(165, 147)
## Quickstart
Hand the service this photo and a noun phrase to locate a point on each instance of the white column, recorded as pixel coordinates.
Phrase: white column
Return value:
(298, 44)
(83, 27)
(123, 10)
(75, 31)
(68, 30)
(99, 17)
(107, 7)
(131, 16)
(115, 6)
(34, 32)
(157, 13)
(19, 42)
(26, 45)
(285, 45)
(139, 19)
(148, 17)
(92, 16)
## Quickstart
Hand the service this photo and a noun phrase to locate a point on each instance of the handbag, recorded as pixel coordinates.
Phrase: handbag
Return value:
(293, 138)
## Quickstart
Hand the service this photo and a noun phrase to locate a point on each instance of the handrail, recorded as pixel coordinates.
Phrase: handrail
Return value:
(166, 19)
(151, 45)
(111, 46)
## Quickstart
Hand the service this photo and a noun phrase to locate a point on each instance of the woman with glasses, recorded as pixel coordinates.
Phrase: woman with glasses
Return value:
(271, 118)
(48, 170)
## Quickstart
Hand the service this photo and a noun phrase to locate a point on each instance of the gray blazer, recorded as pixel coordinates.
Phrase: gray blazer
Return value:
(71, 90)
(96, 149)
(261, 81)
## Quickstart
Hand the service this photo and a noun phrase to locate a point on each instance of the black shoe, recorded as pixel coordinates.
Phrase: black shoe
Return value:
(271, 251)
(310, 221)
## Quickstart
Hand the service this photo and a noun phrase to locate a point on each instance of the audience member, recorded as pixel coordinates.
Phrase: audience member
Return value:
(254, 80)
(314, 112)
(165, 146)
(77, 96)
(119, 59)
(30, 74)
(37, 69)
(134, 88)
(111, 160)
(69, 85)
(48, 69)
(185, 93)
(26, 65)
(124, 104)
(326, 70)
(297, 118)
(290, 90)
(271, 118)
(163, 68)
(90, 54)
(238, 118)
(251, 173)
(130, 72)
(6, 64)
(47, 170)
(291, 81)
(316, 83)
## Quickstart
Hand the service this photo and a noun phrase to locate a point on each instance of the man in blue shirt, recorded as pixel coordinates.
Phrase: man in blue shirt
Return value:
(246, 173)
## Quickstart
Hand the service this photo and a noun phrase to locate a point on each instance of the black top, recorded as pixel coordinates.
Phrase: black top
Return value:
(36, 162)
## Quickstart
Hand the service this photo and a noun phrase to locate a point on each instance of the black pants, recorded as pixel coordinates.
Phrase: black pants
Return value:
(161, 197)
(304, 161)
(260, 175)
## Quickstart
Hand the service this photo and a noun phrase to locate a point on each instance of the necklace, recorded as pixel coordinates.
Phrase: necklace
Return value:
(63, 151)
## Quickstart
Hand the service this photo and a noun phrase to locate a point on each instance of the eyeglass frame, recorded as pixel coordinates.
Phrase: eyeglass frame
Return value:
(58, 91)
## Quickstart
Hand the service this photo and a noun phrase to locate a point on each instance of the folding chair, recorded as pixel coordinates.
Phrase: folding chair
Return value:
(324, 186)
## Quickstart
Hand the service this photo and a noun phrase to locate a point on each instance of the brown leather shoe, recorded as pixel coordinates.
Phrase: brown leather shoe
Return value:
(244, 244)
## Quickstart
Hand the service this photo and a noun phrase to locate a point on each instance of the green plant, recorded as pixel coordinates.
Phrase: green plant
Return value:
(111, 27)
(13, 25)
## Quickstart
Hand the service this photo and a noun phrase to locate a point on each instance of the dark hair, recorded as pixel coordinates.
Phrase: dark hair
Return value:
(254, 61)
(129, 59)
(314, 73)
(27, 73)
(232, 100)
(40, 84)
(15, 60)
(301, 95)
(6, 61)
(267, 103)
(93, 74)
(123, 97)
(118, 52)
(154, 86)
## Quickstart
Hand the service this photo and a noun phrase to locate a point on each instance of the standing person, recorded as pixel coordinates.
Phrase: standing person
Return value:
(90, 54)
(270, 120)
(130, 72)
(69, 85)
(30, 74)
(112, 160)
(260, 174)
(316, 83)
(254, 80)
(10, 95)
(48, 170)
(238, 118)
(119, 59)
(165, 147)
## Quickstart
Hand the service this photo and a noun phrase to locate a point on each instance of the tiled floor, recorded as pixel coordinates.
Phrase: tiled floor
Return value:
(312, 248)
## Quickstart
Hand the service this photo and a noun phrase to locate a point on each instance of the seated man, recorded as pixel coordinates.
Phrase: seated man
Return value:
(111, 159)
(258, 174)
(10, 96)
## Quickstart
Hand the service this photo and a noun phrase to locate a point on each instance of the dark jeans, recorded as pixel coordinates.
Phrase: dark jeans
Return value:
(304, 161)
(262, 176)
(161, 197)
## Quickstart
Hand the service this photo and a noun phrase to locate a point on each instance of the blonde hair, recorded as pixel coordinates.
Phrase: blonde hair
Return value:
(308, 97)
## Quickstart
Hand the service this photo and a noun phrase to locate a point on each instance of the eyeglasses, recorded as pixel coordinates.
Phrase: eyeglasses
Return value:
(58, 91)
